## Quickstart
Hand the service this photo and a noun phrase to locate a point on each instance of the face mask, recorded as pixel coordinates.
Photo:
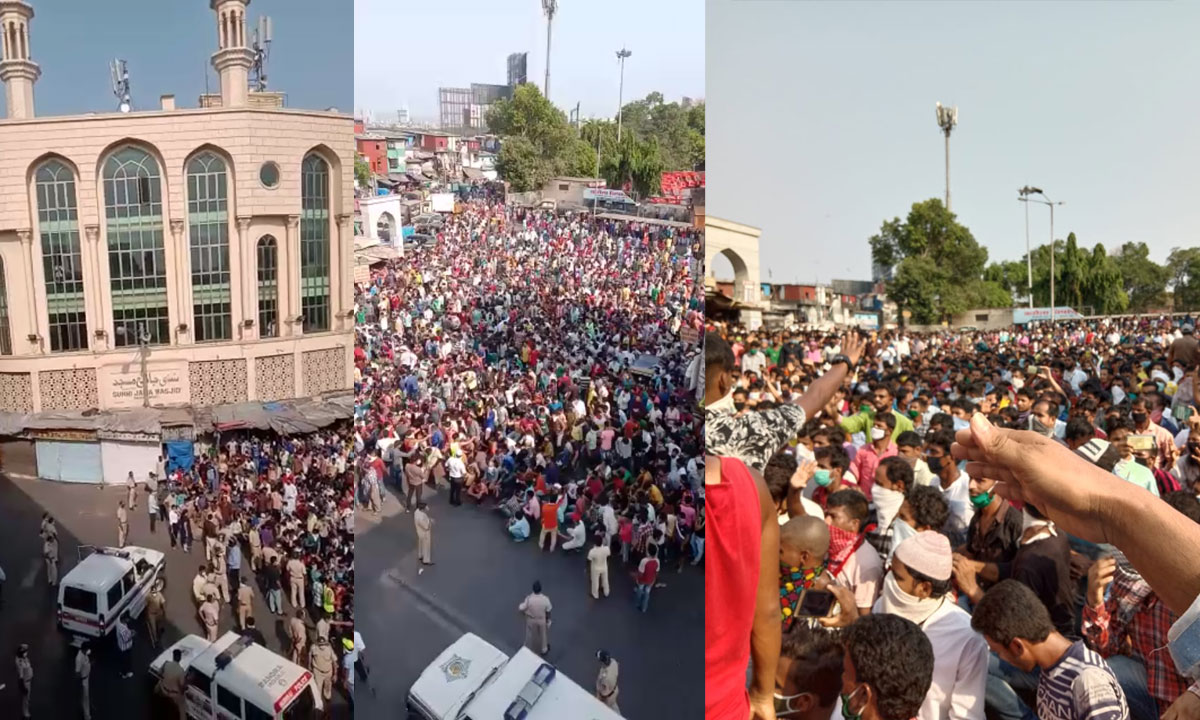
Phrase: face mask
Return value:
(739, 406)
(1040, 428)
(887, 504)
(1139, 417)
(847, 714)
(877, 433)
(783, 704)
(935, 464)
(822, 477)
(982, 500)
(901, 531)
(898, 602)
(1029, 521)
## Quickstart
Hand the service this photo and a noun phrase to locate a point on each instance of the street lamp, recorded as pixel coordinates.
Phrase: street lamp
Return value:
(1024, 193)
(1050, 204)
(143, 341)
(621, 55)
(947, 118)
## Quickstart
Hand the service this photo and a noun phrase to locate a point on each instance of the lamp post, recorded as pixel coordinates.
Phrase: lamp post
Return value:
(143, 341)
(1025, 192)
(947, 118)
(621, 55)
(1050, 204)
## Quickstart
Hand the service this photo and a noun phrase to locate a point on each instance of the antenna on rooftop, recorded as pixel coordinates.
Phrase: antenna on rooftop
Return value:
(262, 52)
(120, 84)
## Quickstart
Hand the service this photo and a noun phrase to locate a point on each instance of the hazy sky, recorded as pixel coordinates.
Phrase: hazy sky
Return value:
(167, 45)
(821, 123)
(405, 51)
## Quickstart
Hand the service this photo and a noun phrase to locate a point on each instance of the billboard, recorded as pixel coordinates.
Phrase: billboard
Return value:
(1022, 316)
(517, 66)
(607, 195)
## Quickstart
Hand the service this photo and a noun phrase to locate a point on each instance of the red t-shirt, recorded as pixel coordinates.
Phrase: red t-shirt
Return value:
(550, 516)
(647, 571)
(730, 584)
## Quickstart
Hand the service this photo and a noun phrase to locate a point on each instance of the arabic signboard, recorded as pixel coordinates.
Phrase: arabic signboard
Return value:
(168, 386)
(1022, 316)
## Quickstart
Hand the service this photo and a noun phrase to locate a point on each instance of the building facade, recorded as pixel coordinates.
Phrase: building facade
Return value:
(172, 257)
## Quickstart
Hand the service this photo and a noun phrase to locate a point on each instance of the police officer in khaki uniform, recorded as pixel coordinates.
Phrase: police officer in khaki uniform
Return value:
(322, 662)
(210, 615)
(122, 524)
(424, 525)
(220, 576)
(173, 683)
(199, 583)
(245, 601)
(606, 681)
(299, 636)
(156, 612)
(256, 549)
(536, 609)
(295, 571)
(322, 625)
(50, 555)
(131, 490)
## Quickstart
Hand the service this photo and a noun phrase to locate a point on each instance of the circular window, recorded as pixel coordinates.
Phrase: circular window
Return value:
(268, 174)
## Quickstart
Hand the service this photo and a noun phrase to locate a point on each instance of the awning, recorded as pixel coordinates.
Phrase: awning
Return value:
(473, 174)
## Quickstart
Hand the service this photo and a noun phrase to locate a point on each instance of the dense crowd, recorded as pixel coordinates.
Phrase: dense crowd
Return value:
(276, 513)
(860, 443)
(533, 361)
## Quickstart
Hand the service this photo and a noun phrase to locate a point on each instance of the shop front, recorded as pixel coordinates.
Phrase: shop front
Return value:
(68, 455)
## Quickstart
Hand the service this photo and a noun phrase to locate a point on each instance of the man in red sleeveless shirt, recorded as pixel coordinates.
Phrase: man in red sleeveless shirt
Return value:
(741, 593)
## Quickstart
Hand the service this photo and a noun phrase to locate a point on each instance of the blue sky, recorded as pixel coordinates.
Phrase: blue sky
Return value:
(167, 44)
(405, 51)
(821, 123)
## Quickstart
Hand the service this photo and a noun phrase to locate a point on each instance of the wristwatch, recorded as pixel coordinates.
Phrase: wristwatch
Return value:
(841, 358)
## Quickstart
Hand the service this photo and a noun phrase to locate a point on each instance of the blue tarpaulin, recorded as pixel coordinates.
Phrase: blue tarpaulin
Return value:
(407, 230)
(179, 455)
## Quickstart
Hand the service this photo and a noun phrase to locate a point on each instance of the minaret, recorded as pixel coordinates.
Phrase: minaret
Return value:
(233, 58)
(17, 71)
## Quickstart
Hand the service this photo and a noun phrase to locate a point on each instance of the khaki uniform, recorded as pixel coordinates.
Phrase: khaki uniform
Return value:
(424, 525)
(245, 604)
(156, 613)
(295, 571)
(322, 661)
(299, 635)
(210, 614)
(199, 583)
(256, 550)
(174, 684)
(221, 577)
(536, 607)
(122, 526)
(131, 495)
(606, 685)
(598, 569)
(50, 554)
(322, 629)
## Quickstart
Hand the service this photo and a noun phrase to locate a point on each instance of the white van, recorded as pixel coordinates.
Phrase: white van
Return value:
(105, 584)
(236, 679)
(473, 679)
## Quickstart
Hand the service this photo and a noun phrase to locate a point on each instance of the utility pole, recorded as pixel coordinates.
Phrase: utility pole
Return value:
(947, 118)
(621, 55)
(1024, 193)
(550, 7)
(1049, 203)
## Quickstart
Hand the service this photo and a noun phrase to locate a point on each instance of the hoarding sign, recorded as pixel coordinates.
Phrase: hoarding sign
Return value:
(1022, 316)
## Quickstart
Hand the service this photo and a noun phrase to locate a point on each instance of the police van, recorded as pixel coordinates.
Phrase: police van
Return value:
(106, 583)
(236, 679)
(473, 679)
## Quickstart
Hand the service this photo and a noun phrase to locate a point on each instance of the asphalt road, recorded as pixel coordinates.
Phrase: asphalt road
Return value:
(480, 576)
(86, 514)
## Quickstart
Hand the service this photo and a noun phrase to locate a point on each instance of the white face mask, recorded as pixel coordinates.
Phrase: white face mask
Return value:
(901, 531)
(877, 433)
(887, 504)
(1046, 528)
(897, 602)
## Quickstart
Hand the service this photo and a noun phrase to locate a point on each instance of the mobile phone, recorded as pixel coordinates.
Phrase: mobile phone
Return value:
(1141, 442)
(1182, 412)
(815, 603)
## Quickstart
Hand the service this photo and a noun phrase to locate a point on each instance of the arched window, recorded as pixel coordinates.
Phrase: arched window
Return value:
(314, 244)
(137, 264)
(62, 261)
(5, 332)
(208, 239)
(268, 287)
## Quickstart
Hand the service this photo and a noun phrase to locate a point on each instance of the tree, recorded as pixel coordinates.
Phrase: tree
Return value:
(1184, 267)
(362, 171)
(938, 265)
(1144, 280)
(520, 163)
(635, 162)
(1083, 280)
(678, 130)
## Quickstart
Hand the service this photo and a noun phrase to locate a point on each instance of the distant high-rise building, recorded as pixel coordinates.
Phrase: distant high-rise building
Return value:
(517, 66)
(402, 116)
(466, 108)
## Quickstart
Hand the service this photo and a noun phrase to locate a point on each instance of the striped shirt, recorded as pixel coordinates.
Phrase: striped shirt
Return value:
(1080, 686)
(124, 637)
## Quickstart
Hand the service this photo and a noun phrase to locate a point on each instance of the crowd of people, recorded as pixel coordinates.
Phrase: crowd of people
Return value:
(1008, 498)
(535, 361)
(273, 516)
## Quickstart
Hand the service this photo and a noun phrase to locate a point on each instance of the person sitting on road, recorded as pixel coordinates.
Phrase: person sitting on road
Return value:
(518, 527)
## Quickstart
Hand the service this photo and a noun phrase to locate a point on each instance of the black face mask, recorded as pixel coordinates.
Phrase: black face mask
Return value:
(739, 406)
(1139, 417)
(935, 464)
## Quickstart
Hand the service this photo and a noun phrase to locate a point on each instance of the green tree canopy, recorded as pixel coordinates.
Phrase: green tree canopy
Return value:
(937, 264)
(1144, 281)
(1184, 267)
(1086, 281)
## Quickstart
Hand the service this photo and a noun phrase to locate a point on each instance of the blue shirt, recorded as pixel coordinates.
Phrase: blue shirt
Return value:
(233, 558)
(1080, 686)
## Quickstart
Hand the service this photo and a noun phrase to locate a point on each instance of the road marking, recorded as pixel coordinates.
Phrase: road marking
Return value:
(31, 574)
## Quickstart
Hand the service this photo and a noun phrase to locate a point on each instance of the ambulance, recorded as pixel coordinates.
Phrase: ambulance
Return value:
(474, 680)
(106, 583)
(236, 679)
